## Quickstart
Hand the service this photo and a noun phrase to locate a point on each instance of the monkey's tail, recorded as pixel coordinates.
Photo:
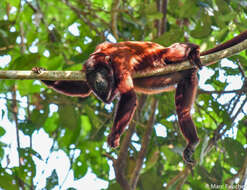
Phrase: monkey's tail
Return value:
(241, 37)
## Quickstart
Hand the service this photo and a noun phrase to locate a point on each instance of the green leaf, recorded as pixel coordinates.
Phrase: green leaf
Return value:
(151, 180)
(242, 130)
(204, 174)
(68, 117)
(7, 181)
(25, 62)
(223, 7)
(152, 160)
(1, 151)
(171, 155)
(52, 180)
(86, 125)
(114, 186)
(235, 152)
(15, 3)
(80, 167)
(69, 137)
(188, 6)
(27, 87)
(52, 63)
(217, 173)
(154, 16)
(170, 37)
(203, 27)
(51, 123)
(27, 127)
(94, 119)
(2, 131)
(38, 117)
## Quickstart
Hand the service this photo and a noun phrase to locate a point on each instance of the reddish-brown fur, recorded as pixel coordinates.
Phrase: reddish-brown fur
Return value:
(109, 73)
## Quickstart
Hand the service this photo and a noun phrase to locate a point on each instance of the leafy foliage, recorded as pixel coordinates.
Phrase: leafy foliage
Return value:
(60, 35)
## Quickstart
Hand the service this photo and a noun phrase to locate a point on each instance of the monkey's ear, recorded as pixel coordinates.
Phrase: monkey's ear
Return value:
(194, 57)
(101, 80)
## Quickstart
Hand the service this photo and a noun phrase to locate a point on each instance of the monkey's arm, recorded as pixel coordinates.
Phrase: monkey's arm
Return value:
(126, 106)
(69, 88)
(184, 99)
(125, 111)
(66, 87)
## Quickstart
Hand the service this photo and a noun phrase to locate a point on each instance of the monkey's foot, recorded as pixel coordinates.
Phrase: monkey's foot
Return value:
(113, 140)
(38, 70)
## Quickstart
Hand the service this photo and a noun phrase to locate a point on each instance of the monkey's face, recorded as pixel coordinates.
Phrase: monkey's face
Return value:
(100, 78)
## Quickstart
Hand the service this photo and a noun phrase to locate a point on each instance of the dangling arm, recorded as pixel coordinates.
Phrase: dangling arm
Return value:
(69, 88)
(125, 109)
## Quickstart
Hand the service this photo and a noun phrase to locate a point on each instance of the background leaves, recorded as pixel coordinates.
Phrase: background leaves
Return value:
(60, 35)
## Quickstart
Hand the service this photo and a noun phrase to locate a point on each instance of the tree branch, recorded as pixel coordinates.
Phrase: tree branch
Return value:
(43, 75)
(120, 163)
(15, 115)
(79, 75)
(114, 15)
(145, 142)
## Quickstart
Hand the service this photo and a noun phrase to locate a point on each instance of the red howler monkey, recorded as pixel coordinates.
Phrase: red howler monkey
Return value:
(109, 74)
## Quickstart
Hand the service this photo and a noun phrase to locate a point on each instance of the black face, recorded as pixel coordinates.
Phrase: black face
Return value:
(101, 80)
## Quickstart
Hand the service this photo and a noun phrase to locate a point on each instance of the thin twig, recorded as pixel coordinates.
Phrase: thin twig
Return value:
(114, 15)
(181, 176)
(82, 15)
(108, 156)
(201, 91)
(15, 115)
(241, 174)
(121, 162)
(164, 19)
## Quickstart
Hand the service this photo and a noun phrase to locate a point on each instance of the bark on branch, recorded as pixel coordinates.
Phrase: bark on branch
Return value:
(80, 75)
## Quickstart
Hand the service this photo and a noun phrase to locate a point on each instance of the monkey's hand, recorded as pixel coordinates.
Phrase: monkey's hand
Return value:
(113, 140)
(38, 70)
(187, 154)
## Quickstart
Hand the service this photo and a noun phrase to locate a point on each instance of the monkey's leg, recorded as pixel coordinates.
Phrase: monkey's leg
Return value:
(125, 111)
(157, 84)
(184, 98)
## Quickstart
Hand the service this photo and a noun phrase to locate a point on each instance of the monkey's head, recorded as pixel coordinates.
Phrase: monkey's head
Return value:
(100, 77)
